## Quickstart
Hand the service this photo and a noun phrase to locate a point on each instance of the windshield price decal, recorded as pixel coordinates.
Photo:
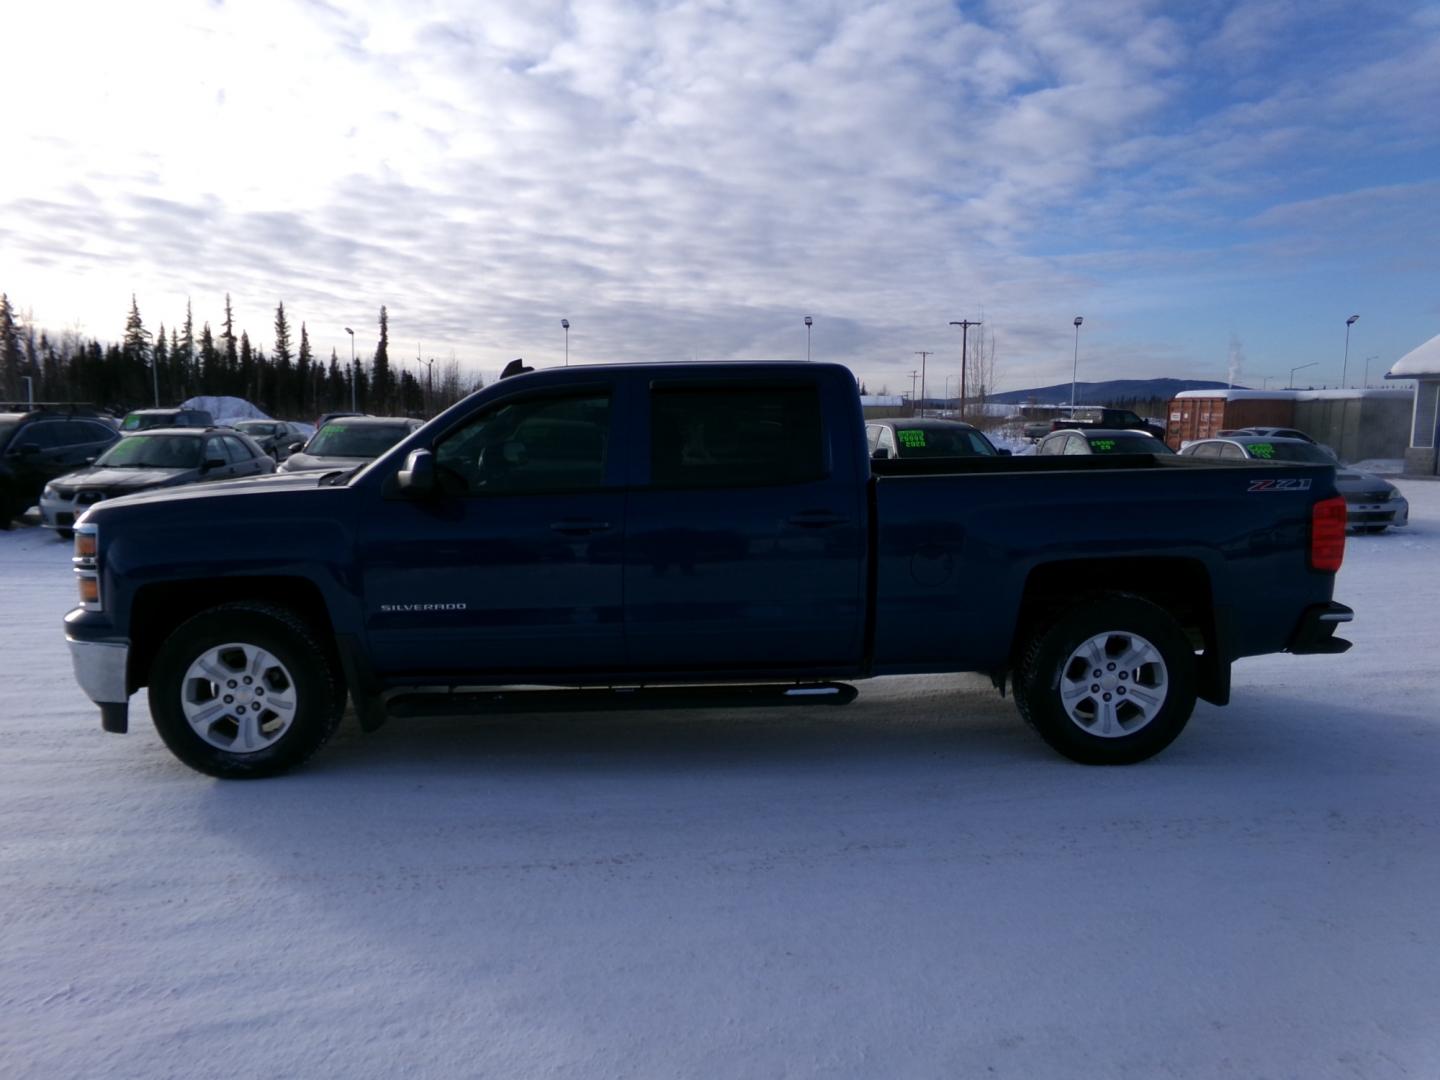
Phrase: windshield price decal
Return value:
(1102, 446)
(1279, 485)
(1262, 450)
(912, 438)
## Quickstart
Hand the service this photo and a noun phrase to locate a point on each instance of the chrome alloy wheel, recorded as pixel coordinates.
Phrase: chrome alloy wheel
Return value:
(1114, 684)
(238, 698)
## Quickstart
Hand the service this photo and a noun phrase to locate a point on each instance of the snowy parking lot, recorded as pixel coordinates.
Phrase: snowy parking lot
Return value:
(911, 886)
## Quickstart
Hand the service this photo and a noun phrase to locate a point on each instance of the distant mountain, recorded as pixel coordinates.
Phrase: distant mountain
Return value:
(1098, 393)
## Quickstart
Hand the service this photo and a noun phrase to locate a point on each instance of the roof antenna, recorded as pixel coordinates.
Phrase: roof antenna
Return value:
(515, 367)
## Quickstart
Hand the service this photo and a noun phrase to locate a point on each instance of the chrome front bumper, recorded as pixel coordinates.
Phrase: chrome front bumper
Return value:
(100, 668)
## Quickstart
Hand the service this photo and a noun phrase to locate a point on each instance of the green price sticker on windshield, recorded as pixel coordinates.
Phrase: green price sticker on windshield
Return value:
(1102, 446)
(1262, 450)
(912, 438)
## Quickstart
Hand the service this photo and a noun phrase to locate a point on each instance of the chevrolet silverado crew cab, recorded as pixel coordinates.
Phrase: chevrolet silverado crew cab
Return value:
(693, 528)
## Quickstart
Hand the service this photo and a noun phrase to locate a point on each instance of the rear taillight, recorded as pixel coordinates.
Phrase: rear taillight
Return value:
(1327, 534)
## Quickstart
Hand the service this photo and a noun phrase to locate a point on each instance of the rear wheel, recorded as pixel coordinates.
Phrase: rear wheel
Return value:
(245, 690)
(1110, 681)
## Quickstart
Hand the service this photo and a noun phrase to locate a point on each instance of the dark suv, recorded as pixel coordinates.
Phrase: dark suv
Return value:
(142, 419)
(39, 445)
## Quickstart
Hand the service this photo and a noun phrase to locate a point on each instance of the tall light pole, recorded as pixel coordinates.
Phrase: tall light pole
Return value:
(1300, 367)
(964, 325)
(1075, 365)
(1367, 371)
(430, 386)
(922, 356)
(354, 372)
(913, 376)
(1348, 323)
(809, 322)
(566, 324)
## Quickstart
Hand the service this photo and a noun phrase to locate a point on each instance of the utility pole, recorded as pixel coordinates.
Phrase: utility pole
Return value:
(430, 387)
(964, 325)
(913, 376)
(922, 356)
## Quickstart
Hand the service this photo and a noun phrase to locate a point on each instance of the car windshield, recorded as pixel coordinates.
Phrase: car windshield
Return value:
(339, 439)
(7, 428)
(141, 421)
(256, 427)
(1128, 444)
(152, 452)
(1289, 451)
(942, 442)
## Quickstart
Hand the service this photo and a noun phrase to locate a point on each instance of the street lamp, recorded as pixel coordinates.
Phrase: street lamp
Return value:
(1367, 370)
(1348, 323)
(964, 325)
(566, 324)
(354, 372)
(809, 322)
(1075, 364)
(1300, 367)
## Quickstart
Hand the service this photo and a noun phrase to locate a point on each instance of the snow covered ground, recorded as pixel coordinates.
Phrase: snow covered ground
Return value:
(913, 886)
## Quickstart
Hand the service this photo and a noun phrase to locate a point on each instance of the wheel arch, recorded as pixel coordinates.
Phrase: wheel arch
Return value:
(159, 608)
(1179, 585)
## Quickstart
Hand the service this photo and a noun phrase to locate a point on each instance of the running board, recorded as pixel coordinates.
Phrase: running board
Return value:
(596, 699)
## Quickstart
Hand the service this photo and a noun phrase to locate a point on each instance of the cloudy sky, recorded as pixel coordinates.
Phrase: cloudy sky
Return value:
(689, 179)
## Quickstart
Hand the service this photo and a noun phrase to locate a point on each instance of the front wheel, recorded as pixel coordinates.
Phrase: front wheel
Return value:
(1110, 681)
(245, 690)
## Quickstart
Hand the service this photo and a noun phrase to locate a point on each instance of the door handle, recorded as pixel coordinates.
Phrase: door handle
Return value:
(817, 519)
(579, 526)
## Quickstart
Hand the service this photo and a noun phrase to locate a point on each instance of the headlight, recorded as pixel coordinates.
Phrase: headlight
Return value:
(87, 565)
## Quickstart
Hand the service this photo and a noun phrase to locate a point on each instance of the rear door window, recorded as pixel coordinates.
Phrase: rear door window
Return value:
(735, 437)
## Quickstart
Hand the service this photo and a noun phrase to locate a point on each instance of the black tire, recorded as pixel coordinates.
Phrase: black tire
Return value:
(8, 513)
(65, 534)
(1138, 727)
(305, 666)
(1371, 529)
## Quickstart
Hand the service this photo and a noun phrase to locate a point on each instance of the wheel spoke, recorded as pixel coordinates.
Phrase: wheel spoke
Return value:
(1074, 694)
(248, 737)
(201, 718)
(1108, 721)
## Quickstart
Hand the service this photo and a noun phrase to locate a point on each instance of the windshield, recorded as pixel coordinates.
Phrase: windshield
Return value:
(942, 442)
(1129, 444)
(1289, 451)
(256, 427)
(339, 439)
(152, 452)
(141, 421)
(7, 428)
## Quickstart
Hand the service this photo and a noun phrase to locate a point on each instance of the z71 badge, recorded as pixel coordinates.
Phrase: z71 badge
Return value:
(1279, 485)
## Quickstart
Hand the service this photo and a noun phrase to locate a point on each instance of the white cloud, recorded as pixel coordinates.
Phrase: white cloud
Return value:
(678, 179)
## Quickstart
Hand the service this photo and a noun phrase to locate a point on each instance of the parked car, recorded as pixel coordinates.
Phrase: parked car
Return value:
(1372, 503)
(1099, 441)
(928, 437)
(349, 441)
(1278, 433)
(275, 437)
(650, 524)
(38, 445)
(155, 458)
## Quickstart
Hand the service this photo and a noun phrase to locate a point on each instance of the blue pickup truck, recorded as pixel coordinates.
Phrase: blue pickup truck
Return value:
(716, 527)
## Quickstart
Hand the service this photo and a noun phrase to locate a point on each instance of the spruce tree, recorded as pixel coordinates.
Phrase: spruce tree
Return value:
(209, 363)
(304, 363)
(381, 383)
(184, 350)
(161, 360)
(9, 349)
(135, 356)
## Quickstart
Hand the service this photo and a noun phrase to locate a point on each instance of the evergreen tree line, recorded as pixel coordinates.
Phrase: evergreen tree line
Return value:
(168, 367)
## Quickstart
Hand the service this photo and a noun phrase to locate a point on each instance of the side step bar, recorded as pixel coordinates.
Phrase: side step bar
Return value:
(596, 699)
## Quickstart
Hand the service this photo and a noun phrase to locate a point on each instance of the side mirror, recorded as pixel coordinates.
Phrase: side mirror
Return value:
(294, 447)
(91, 459)
(418, 475)
(1003, 452)
(213, 463)
(881, 453)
